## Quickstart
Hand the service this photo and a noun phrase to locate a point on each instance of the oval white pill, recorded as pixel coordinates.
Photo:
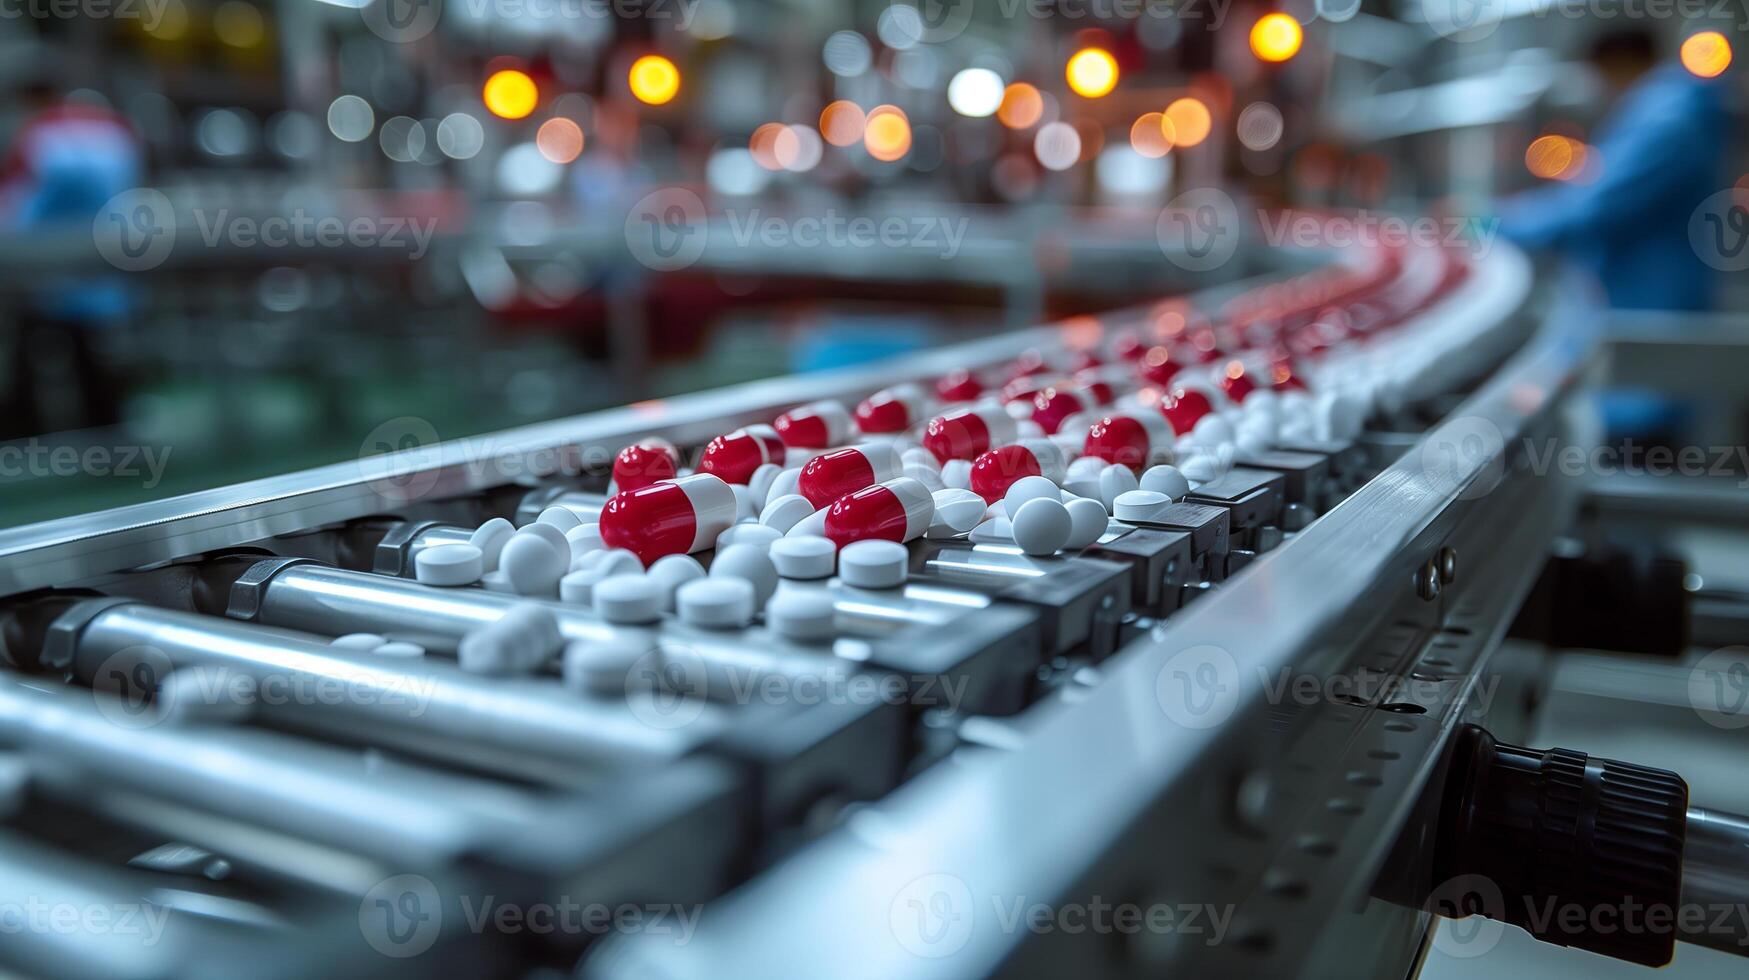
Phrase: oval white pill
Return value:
(744, 506)
(1087, 522)
(813, 526)
(801, 615)
(957, 473)
(533, 565)
(754, 534)
(490, 538)
(1028, 488)
(449, 565)
(961, 510)
(627, 600)
(497, 581)
(520, 641)
(751, 562)
(1139, 505)
(1167, 480)
(995, 531)
(400, 648)
(1212, 430)
(584, 539)
(783, 513)
(1086, 468)
(1113, 480)
(874, 564)
(670, 572)
(928, 476)
(722, 602)
(1041, 526)
(804, 557)
(563, 518)
(784, 484)
(759, 484)
(358, 641)
(1199, 470)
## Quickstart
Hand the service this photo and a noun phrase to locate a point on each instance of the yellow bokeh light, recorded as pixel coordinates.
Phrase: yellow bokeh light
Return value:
(1555, 157)
(239, 24)
(1275, 37)
(510, 94)
(1190, 121)
(1706, 54)
(1021, 106)
(654, 79)
(842, 122)
(888, 133)
(1151, 135)
(1092, 72)
(559, 140)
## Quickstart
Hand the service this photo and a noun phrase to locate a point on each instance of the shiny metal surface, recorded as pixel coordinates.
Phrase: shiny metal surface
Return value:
(1715, 878)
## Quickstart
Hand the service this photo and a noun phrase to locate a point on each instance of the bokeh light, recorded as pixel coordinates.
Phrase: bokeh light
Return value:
(1275, 37)
(1191, 121)
(1706, 54)
(975, 92)
(887, 136)
(1092, 72)
(842, 123)
(763, 145)
(1021, 107)
(1057, 146)
(560, 140)
(510, 94)
(654, 80)
(1555, 157)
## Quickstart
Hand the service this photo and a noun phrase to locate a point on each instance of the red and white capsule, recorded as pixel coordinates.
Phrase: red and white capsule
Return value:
(1138, 439)
(644, 462)
(895, 510)
(735, 456)
(821, 425)
(829, 476)
(1184, 407)
(967, 433)
(997, 470)
(893, 410)
(673, 517)
(1052, 406)
(959, 386)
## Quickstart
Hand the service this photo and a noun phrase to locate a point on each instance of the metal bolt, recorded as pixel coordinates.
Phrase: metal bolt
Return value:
(1427, 581)
(1447, 565)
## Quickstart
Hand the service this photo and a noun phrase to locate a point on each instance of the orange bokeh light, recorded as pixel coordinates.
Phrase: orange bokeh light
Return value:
(559, 140)
(1022, 106)
(887, 135)
(1706, 54)
(842, 123)
(1191, 121)
(1092, 72)
(1276, 37)
(1554, 157)
(1149, 135)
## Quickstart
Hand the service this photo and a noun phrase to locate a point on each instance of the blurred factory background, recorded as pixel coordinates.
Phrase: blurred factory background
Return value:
(242, 237)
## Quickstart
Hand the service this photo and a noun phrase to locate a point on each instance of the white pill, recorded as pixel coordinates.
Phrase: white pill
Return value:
(579, 586)
(358, 641)
(754, 534)
(584, 539)
(783, 513)
(490, 538)
(801, 615)
(719, 602)
(784, 484)
(521, 641)
(1087, 522)
(1041, 526)
(750, 562)
(449, 565)
(400, 648)
(961, 510)
(921, 457)
(1226, 456)
(1028, 488)
(759, 484)
(997, 510)
(670, 572)
(745, 508)
(1167, 480)
(1086, 468)
(606, 666)
(926, 475)
(873, 564)
(1113, 480)
(1212, 430)
(804, 557)
(1200, 469)
(940, 530)
(812, 526)
(1139, 505)
(563, 518)
(1081, 488)
(497, 581)
(627, 600)
(546, 532)
(997, 531)
(1028, 429)
(1250, 445)
(533, 565)
(957, 473)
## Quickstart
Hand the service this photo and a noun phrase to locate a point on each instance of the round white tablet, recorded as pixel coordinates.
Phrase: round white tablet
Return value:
(1113, 480)
(1167, 480)
(759, 484)
(670, 572)
(627, 600)
(784, 484)
(490, 538)
(1041, 526)
(545, 532)
(449, 564)
(1028, 488)
(751, 562)
(957, 473)
(579, 586)
(584, 539)
(563, 518)
(801, 615)
(400, 648)
(785, 512)
(1086, 468)
(873, 564)
(995, 531)
(1028, 429)
(1250, 445)
(754, 534)
(745, 508)
(1139, 505)
(1087, 522)
(959, 509)
(721, 602)
(497, 581)
(358, 641)
(1199, 469)
(604, 666)
(804, 557)
(532, 564)
(812, 526)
